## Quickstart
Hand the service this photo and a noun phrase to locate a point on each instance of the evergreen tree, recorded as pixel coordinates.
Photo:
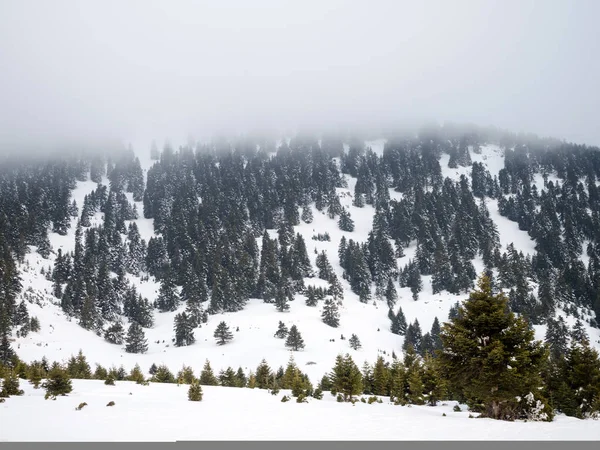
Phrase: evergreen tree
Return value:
(282, 331)
(398, 322)
(391, 295)
(325, 269)
(345, 222)
(330, 315)
(136, 339)
(10, 385)
(294, 339)
(557, 335)
(186, 375)
(346, 378)
(115, 333)
(57, 382)
(354, 342)
(195, 392)
(35, 376)
(222, 334)
(413, 337)
(163, 375)
(264, 376)
(578, 333)
(581, 374)
(381, 377)
(167, 299)
(281, 300)
(490, 355)
(207, 376)
(184, 330)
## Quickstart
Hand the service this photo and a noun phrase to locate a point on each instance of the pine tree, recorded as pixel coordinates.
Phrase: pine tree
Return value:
(10, 385)
(222, 334)
(398, 322)
(186, 375)
(307, 215)
(195, 392)
(381, 377)
(136, 339)
(578, 333)
(557, 334)
(581, 374)
(57, 382)
(184, 330)
(167, 299)
(330, 315)
(325, 269)
(281, 300)
(345, 222)
(207, 376)
(391, 295)
(136, 375)
(163, 375)
(35, 376)
(346, 378)
(413, 337)
(115, 333)
(282, 331)
(490, 355)
(354, 342)
(294, 340)
(264, 376)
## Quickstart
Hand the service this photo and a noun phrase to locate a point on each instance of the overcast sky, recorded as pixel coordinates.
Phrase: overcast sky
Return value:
(131, 68)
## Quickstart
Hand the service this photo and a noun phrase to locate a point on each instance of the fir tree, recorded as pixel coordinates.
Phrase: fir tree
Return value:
(184, 330)
(346, 378)
(578, 333)
(136, 339)
(222, 334)
(281, 300)
(264, 376)
(186, 375)
(115, 333)
(57, 382)
(294, 339)
(282, 331)
(354, 342)
(10, 385)
(163, 375)
(345, 222)
(391, 295)
(490, 355)
(330, 315)
(207, 376)
(195, 392)
(35, 376)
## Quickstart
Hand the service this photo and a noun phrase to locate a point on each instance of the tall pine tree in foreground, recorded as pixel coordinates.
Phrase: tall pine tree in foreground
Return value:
(491, 358)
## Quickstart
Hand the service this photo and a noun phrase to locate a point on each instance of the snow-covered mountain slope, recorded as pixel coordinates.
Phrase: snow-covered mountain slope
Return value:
(254, 327)
(161, 412)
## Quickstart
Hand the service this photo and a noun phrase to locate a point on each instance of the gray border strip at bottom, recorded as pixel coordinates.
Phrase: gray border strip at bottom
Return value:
(298, 445)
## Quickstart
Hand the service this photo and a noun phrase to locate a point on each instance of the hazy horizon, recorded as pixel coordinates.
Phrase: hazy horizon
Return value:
(139, 70)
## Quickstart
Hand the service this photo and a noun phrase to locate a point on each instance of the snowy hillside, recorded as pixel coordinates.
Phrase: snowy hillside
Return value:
(255, 326)
(161, 412)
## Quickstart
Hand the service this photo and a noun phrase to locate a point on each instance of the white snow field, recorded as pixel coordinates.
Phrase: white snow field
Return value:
(161, 412)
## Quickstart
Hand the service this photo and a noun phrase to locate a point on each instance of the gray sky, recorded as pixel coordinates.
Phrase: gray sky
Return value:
(148, 68)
